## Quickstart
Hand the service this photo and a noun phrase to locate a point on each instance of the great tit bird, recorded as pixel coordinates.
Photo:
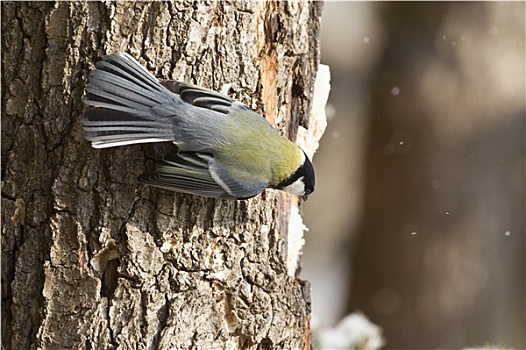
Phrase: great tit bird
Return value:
(224, 148)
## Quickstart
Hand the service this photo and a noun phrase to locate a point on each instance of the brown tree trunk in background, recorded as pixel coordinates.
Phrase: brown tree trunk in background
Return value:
(172, 271)
(440, 261)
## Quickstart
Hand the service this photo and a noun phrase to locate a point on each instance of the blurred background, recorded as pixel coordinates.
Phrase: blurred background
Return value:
(418, 219)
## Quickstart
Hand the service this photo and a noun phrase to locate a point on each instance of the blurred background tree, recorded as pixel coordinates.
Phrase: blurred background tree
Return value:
(423, 163)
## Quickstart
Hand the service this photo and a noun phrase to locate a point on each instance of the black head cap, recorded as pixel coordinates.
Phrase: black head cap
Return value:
(309, 179)
(302, 181)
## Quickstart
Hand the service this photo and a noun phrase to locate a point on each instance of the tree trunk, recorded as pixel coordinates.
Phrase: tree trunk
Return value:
(440, 259)
(92, 259)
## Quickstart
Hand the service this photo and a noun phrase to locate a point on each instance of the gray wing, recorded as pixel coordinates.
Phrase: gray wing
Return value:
(200, 174)
(205, 98)
(186, 172)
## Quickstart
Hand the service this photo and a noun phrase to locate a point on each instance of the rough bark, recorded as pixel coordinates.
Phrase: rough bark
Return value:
(93, 259)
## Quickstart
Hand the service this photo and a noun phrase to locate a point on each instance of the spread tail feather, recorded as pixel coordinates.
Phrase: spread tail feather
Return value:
(131, 106)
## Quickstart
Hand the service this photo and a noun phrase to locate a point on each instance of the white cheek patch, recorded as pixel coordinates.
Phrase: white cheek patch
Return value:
(297, 187)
